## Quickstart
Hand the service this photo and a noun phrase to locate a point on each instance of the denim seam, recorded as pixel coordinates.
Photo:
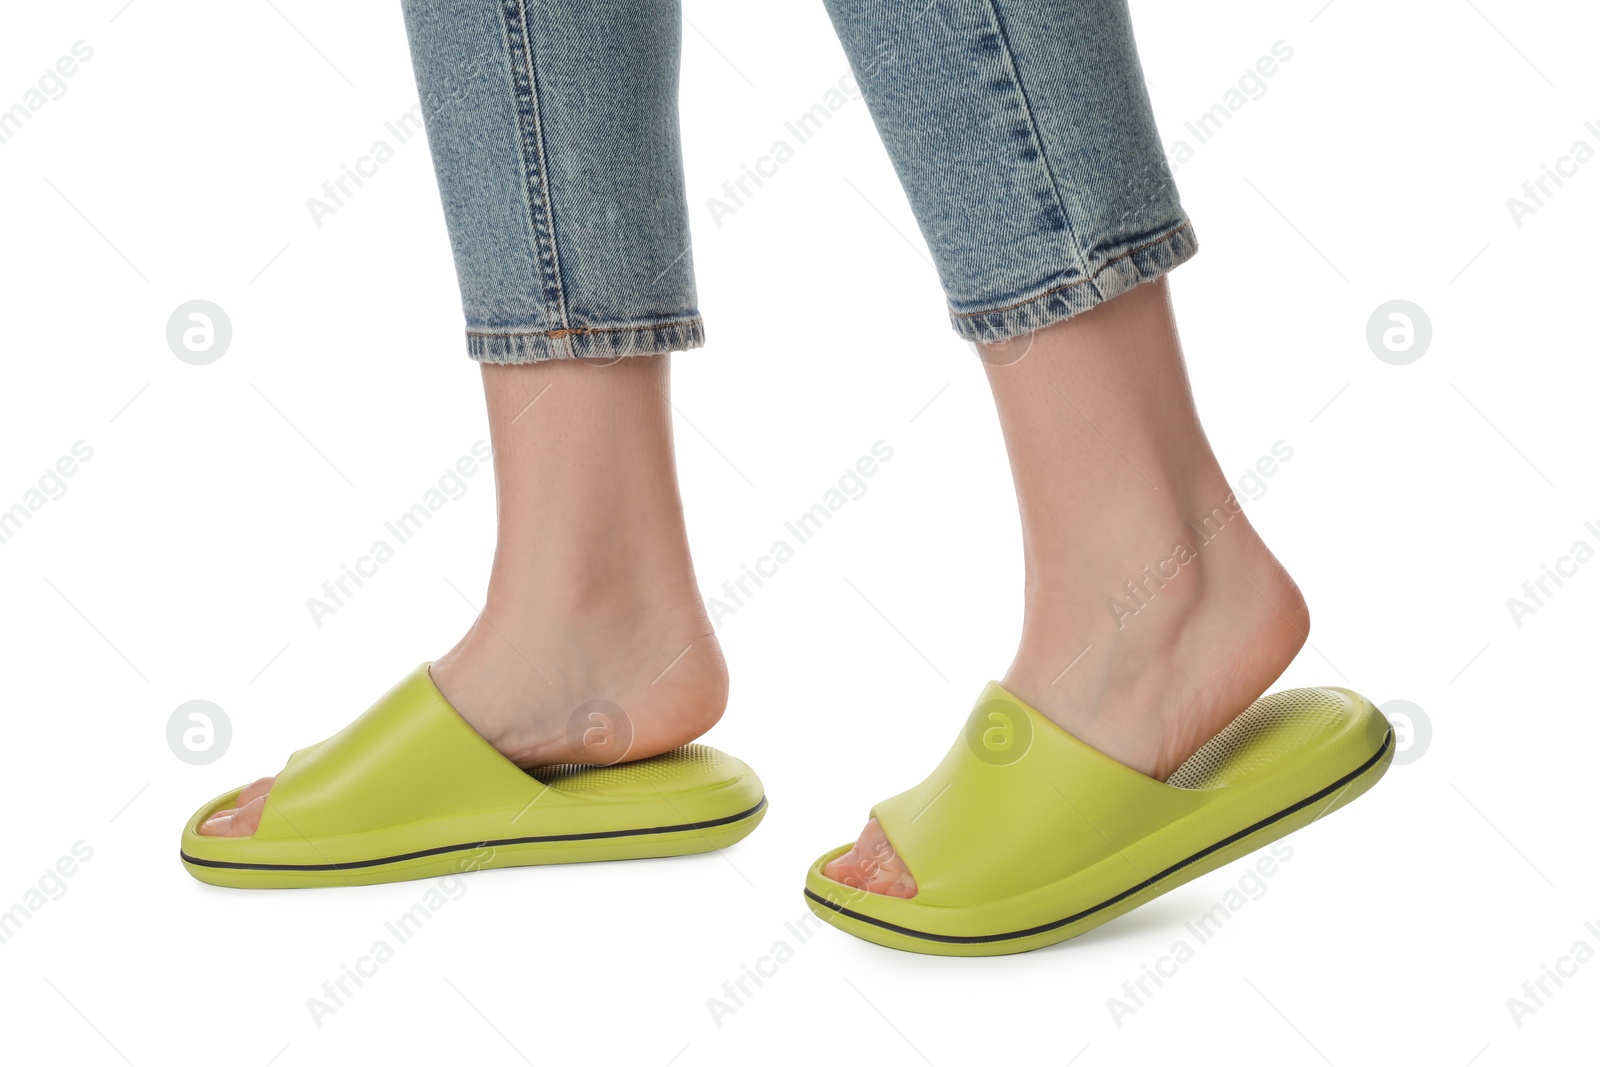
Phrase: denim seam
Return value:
(1038, 137)
(578, 331)
(592, 342)
(1086, 280)
(530, 128)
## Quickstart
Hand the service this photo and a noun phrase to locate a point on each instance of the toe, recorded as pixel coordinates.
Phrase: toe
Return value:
(247, 817)
(260, 788)
(873, 866)
(236, 822)
(217, 825)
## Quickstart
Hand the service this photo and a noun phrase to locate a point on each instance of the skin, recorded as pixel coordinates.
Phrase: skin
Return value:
(1110, 462)
(593, 593)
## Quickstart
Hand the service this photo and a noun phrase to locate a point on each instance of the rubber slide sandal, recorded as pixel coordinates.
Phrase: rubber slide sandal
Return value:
(410, 790)
(1024, 836)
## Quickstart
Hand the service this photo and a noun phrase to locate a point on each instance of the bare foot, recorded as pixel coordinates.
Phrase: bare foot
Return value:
(1150, 694)
(594, 646)
(612, 685)
(1132, 646)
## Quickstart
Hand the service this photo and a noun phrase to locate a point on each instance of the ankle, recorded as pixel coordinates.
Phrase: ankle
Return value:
(1149, 675)
(593, 685)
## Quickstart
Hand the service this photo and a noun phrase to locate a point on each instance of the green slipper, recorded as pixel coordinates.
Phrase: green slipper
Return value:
(410, 790)
(1025, 836)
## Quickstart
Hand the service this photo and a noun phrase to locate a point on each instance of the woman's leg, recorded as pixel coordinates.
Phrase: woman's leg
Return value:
(562, 188)
(1023, 136)
(1130, 643)
(1032, 162)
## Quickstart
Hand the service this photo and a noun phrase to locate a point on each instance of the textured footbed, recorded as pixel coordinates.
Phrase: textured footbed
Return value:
(584, 778)
(1265, 731)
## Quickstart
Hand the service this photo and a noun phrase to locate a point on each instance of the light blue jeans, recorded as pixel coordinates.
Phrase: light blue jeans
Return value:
(1020, 129)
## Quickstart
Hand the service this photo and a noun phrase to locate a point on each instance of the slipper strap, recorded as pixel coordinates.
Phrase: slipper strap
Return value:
(1019, 803)
(408, 759)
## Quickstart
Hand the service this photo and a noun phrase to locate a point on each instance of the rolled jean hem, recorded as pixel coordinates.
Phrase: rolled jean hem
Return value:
(1142, 263)
(586, 342)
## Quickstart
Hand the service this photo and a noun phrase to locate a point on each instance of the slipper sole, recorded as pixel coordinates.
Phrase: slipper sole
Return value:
(1365, 741)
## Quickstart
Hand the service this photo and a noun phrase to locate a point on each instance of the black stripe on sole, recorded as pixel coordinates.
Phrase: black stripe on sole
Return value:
(962, 939)
(443, 849)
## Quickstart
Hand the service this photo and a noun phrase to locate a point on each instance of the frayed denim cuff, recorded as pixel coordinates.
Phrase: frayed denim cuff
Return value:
(1142, 263)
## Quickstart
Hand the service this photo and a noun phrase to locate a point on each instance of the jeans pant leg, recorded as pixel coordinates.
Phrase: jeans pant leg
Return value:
(554, 131)
(1023, 135)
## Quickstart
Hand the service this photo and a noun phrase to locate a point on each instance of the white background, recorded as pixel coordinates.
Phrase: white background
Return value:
(178, 563)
